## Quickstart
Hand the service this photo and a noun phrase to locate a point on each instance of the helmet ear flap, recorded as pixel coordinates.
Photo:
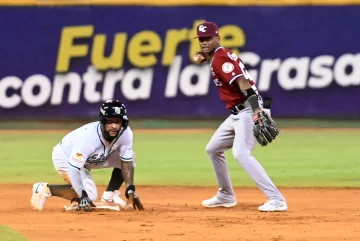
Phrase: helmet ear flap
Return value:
(125, 122)
(102, 120)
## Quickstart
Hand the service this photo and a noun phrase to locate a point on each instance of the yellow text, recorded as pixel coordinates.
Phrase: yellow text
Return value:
(143, 50)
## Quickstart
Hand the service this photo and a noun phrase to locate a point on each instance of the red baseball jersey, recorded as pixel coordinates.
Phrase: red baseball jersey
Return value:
(226, 67)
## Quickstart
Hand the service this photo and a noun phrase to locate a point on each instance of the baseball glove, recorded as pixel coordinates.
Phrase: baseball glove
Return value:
(265, 130)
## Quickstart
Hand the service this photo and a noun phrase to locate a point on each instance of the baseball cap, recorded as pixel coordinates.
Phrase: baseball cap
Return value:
(207, 29)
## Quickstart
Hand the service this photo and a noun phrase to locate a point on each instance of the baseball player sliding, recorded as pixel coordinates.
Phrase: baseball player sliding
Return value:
(240, 95)
(102, 144)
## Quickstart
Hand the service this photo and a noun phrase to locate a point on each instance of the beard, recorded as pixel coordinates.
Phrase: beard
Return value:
(108, 137)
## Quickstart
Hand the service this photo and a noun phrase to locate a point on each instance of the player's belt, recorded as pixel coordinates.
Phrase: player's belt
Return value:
(237, 108)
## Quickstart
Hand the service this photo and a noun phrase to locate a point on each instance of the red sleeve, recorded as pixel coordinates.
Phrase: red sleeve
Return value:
(227, 68)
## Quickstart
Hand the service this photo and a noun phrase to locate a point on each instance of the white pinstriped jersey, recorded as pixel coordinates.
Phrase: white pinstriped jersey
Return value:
(86, 145)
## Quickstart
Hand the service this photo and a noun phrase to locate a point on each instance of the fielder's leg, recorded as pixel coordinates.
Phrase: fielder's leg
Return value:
(220, 142)
(244, 143)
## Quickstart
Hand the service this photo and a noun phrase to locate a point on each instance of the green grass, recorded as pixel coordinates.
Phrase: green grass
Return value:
(8, 234)
(294, 159)
(174, 123)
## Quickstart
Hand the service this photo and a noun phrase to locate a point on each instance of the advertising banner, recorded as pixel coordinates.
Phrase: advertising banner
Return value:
(64, 61)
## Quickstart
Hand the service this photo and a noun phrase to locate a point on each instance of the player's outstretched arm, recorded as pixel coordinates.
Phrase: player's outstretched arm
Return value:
(76, 163)
(127, 171)
(84, 202)
(133, 200)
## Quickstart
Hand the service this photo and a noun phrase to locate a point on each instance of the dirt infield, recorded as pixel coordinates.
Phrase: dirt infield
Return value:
(174, 213)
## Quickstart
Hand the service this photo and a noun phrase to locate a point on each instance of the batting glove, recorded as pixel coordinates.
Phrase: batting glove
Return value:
(84, 202)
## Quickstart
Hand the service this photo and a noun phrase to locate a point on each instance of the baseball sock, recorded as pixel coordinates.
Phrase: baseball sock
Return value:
(115, 181)
(64, 191)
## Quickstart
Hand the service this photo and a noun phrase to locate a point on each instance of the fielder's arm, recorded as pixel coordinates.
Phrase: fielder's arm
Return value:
(249, 92)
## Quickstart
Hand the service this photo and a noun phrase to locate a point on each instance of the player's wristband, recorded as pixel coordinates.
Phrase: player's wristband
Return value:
(249, 92)
(251, 96)
(130, 189)
(253, 101)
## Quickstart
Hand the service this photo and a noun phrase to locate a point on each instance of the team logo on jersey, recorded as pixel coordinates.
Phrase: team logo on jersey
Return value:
(227, 67)
(78, 158)
(202, 28)
(96, 158)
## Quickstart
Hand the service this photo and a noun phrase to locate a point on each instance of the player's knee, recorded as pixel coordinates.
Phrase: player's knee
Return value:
(65, 176)
(210, 148)
(241, 155)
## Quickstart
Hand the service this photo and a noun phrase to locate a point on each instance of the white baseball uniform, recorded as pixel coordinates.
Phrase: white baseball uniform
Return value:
(84, 149)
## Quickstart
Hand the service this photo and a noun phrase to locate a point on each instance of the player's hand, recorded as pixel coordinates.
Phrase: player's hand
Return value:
(134, 203)
(137, 203)
(130, 202)
(84, 202)
(200, 57)
(258, 116)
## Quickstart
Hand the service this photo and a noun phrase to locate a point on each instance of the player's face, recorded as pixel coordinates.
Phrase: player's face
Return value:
(112, 126)
(209, 44)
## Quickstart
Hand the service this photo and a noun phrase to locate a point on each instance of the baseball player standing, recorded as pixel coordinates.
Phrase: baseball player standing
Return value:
(102, 144)
(242, 99)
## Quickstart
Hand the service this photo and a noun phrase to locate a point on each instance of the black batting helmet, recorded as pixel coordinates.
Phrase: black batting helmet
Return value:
(114, 109)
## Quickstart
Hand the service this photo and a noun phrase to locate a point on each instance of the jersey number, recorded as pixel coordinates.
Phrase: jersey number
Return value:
(234, 57)
(217, 82)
